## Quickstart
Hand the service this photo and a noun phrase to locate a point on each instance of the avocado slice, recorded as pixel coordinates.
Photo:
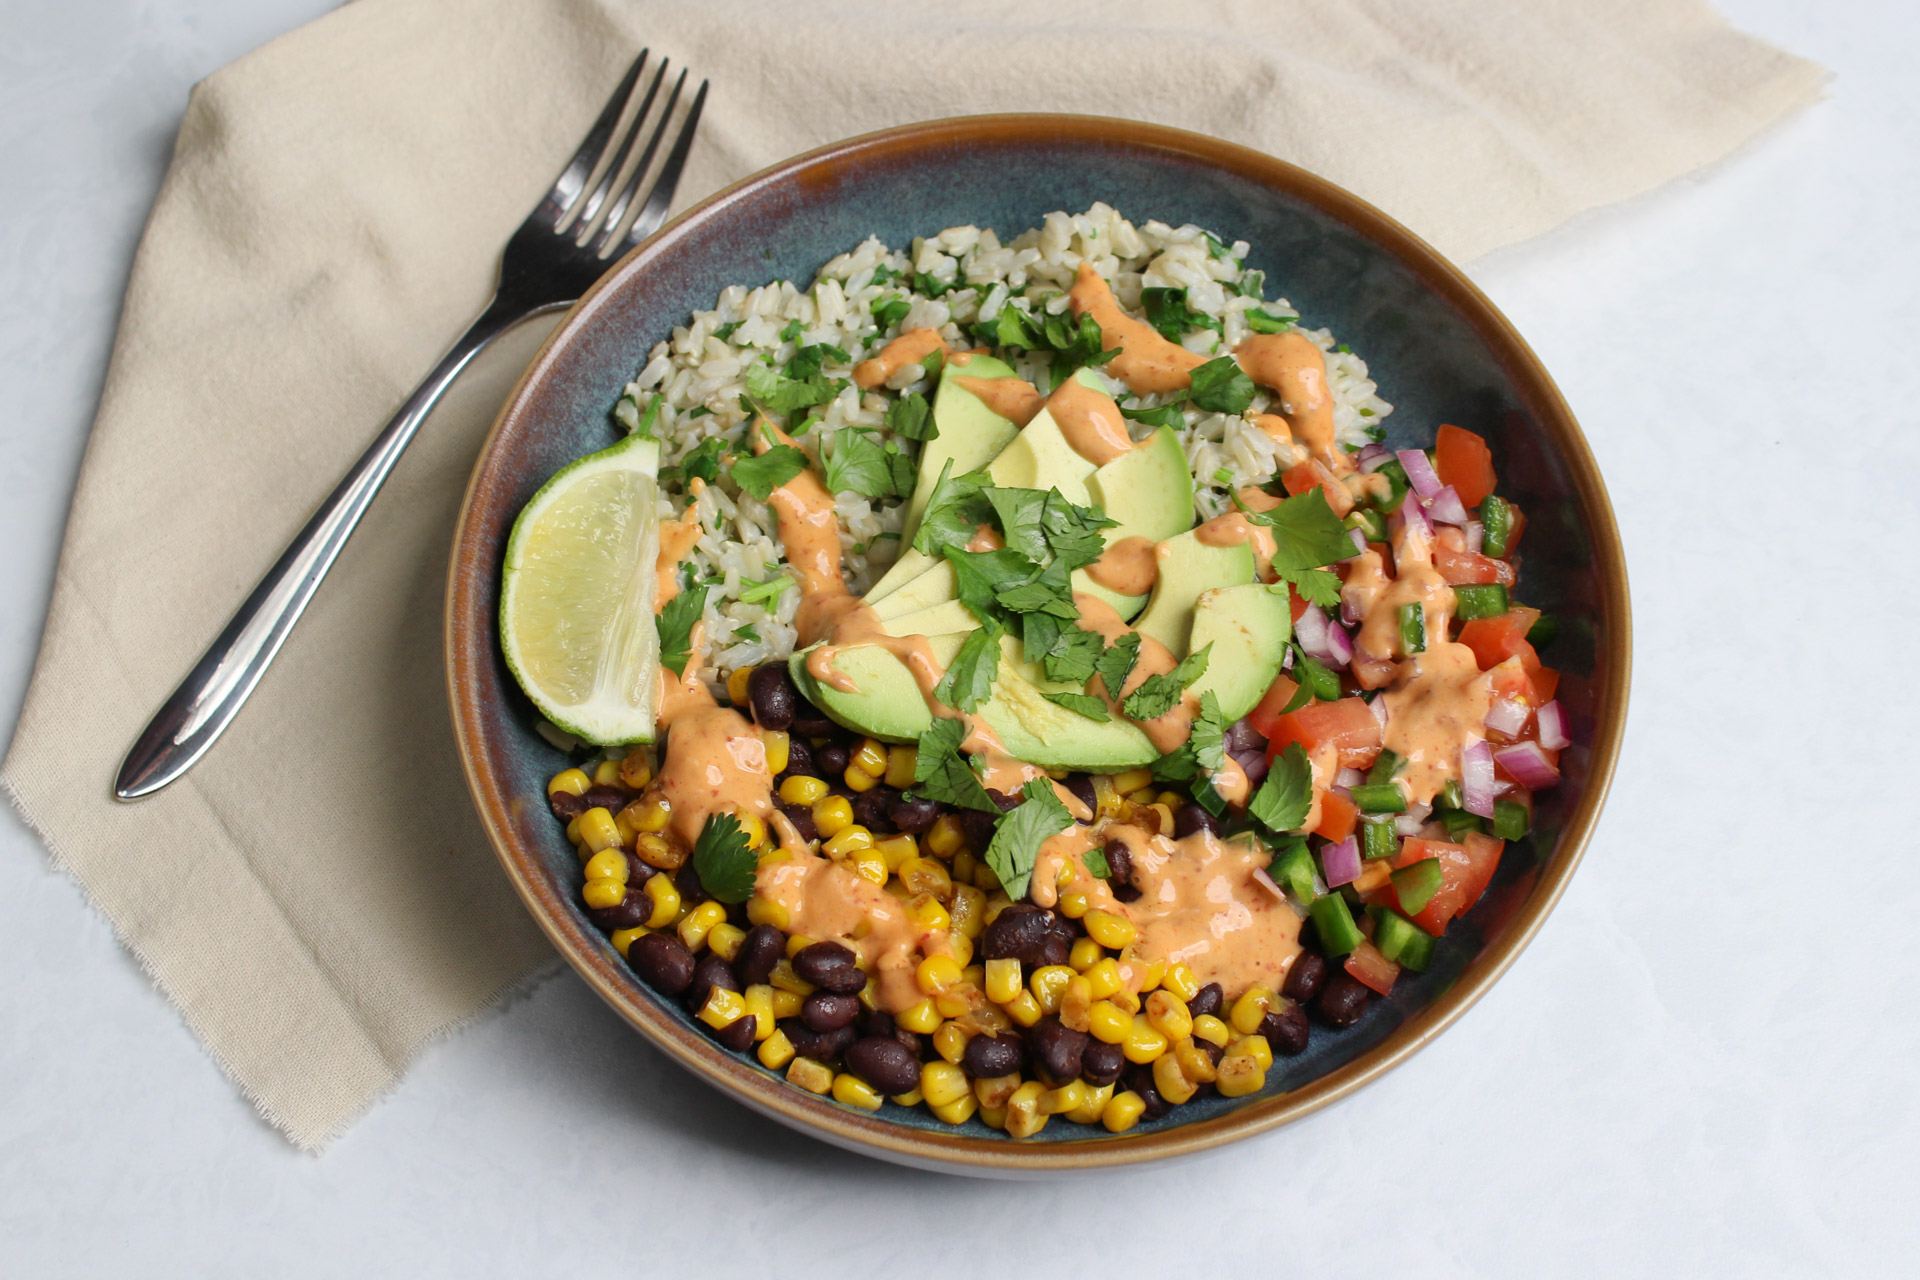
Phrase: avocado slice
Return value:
(1248, 627)
(1188, 567)
(936, 620)
(1150, 492)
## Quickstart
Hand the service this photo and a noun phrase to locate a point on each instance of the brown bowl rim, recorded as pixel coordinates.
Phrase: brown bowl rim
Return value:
(860, 1131)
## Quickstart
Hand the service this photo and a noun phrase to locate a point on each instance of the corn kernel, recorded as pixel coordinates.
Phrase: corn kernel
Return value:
(1250, 1008)
(1110, 930)
(869, 865)
(571, 781)
(1076, 1004)
(964, 864)
(1108, 1022)
(737, 685)
(786, 979)
(942, 1082)
(695, 925)
(937, 974)
(1212, 1030)
(573, 837)
(1196, 1064)
(924, 875)
(1143, 1044)
(968, 909)
(624, 825)
(608, 864)
(1171, 1081)
(1103, 979)
(787, 1004)
(858, 779)
(921, 1018)
(911, 1098)
(832, 815)
(598, 830)
(1003, 980)
(798, 942)
(724, 940)
(1126, 1001)
(750, 826)
(814, 1077)
(649, 815)
(897, 850)
(1181, 982)
(1239, 1076)
(993, 1091)
(993, 1117)
(779, 750)
(1073, 905)
(959, 1111)
(901, 763)
(606, 773)
(1068, 1097)
(1106, 800)
(852, 1091)
(1024, 1009)
(601, 894)
(1095, 1101)
(1141, 799)
(960, 947)
(723, 1008)
(1132, 780)
(761, 910)
(1047, 984)
(944, 837)
(870, 758)
(776, 1051)
(759, 1001)
(950, 1041)
(1085, 954)
(657, 853)
(847, 839)
(1255, 1047)
(1147, 973)
(984, 877)
(1123, 1112)
(1024, 1117)
(636, 771)
(959, 1000)
(802, 789)
(1168, 1014)
(624, 938)
(927, 914)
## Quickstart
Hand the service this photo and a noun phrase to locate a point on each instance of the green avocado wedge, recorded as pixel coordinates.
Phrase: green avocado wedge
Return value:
(1188, 567)
(1248, 627)
(1150, 492)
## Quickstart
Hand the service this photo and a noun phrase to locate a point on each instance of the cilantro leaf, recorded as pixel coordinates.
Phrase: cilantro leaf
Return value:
(1160, 694)
(891, 312)
(1317, 586)
(924, 283)
(1115, 664)
(1082, 348)
(807, 360)
(1019, 512)
(1306, 534)
(722, 859)
(905, 471)
(1073, 533)
(760, 476)
(1220, 386)
(1048, 591)
(1020, 833)
(1204, 751)
(725, 331)
(1010, 328)
(791, 331)
(1168, 312)
(675, 625)
(1266, 322)
(702, 463)
(954, 510)
(1095, 861)
(968, 681)
(1071, 657)
(1284, 798)
(940, 770)
(775, 392)
(981, 576)
(857, 464)
(767, 592)
(1083, 703)
(910, 418)
(1167, 415)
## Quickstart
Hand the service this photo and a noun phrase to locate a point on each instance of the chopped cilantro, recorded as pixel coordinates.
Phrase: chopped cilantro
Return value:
(910, 418)
(703, 462)
(791, 332)
(1220, 387)
(807, 361)
(1317, 586)
(859, 464)
(1314, 678)
(1284, 798)
(1266, 322)
(1095, 861)
(1116, 663)
(940, 770)
(1020, 512)
(1168, 312)
(698, 411)
(1167, 415)
(884, 273)
(968, 681)
(1075, 347)
(1160, 694)
(1253, 284)
(891, 312)
(722, 859)
(1083, 703)
(1010, 328)
(725, 331)
(1020, 833)
(752, 592)
(926, 284)
(760, 476)
(627, 413)
(747, 633)
(954, 511)
(777, 393)
(981, 576)
(1067, 652)
(675, 625)
(1216, 247)
(1306, 533)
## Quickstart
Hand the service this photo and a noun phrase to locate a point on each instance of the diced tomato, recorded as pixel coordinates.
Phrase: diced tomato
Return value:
(1295, 604)
(1494, 640)
(1465, 871)
(1338, 817)
(1546, 683)
(1347, 724)
(1461, 567)
(1370, 967)
(1313, 472)
(1264, 716)
(1509, 680)
(1463, 460)
(1371, 673)
(1519, 527)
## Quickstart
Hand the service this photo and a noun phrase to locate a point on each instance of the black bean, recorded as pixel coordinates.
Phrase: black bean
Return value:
(1207, 1000)
(736, 1035)
(799, 759)
(1192, 819)
(1309, 970)
(1058, 1047)
(829, 966)
(1081, 785)
(770, 691)
(762, 948)
(885, 1064)
(630, 911)
(990, 1056)
(825, 1011)
(709, 971)
(1286, 1029)
(567, 806)
(977, 827)
(821, 1046)
(1140, 1080)
(830, 760)
(1342, 999)
(913, 814)
(871, 806)
(638, 872)
(603, 796)
(808, 722)
(801, 816)
(662, 962)
(687, 881)
(1101, 1063)
(1018, 933)
(1119, 862)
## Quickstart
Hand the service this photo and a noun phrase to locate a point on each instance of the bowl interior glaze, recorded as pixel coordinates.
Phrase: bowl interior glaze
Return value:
(1439, 352)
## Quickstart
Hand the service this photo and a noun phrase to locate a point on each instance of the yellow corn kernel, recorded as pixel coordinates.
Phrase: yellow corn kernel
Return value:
(1132, 780)
(649, 815)
(1095, 1101)
(832, 815)
(852, 1091)
(1085, 954)
(1148, 973)
(1239, 1076)
(1255, 1047)
(942, 1082)
(959, 1000)
(944, 838)
(960, 947)
(779, 750)
(571, 781)
(1076, 1004)
(950, 1041)
(1127, 1002)
(1106, 800)
(1108, 1022)
(1212, 1030)
(1024, 1117)
(697, 923)
(1250, 1008)
(901, 763)
(608, 864)
(657, 853)
(759, 1001)
(897, 850)
(751, 827)
(761, 910)
(1070, 1096)
(924, 875)
(1047, 983)
(870, 758)
(1073, 905)
(601, 894)
(573, 837)
(1024, 1009)
(1196, 1064)
(911, 1098)
(786, 979)
(1123, 1111)
(984, 877)
(1171, 1081)
(1181, 982)
(1103, 979)
(628, 832)
(927, 913)
(847, 839)
(858, 779)
(636, 771)
(1004, 982)
(787, 1004)
(723, 1008)
(798, 942)
(993, 1091)
(1143, 798)
(737, 682)
(964, 864)
(921, 1019)
(666, 902)
(598, 830)
(606, 773)
(1169, 799)
(624, 938)
(969, 911)
(1110, 930)
(814, 1077)
(959, 1111)
(1143, 1043)
(802, 789)
(724, 940)
(869, 865)
(776, 1051)
(937, 974)
(1168, 1014)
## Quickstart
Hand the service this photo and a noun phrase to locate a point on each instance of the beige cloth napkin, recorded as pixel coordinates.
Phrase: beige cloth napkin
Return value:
(316, 897)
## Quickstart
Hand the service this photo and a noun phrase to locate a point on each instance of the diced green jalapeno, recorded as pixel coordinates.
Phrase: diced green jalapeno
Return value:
(1378, 840)
(1293, 870)
(1338, 933)
(1396, 477)
(1379, 797)
(1510, 821)
(1413, 628)
(1371, 524)
(1458, 822)
(1487, 601)
(1496, 516)
(1544, 631)
(1386, 766)
(1323, 683)
(1401, 940)
(1414, 885)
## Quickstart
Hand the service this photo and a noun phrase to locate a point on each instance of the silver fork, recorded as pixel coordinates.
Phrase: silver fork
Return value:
(566, 243)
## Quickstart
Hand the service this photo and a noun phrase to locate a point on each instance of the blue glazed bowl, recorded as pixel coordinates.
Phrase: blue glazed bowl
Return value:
(1440, 353)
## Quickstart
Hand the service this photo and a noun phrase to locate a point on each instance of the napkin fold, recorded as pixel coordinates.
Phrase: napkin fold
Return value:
(317, 897)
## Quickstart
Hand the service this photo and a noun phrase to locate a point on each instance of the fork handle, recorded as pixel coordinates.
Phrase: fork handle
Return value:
(213, 692)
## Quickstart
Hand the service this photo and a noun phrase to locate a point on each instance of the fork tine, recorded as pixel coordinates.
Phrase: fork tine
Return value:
(654, 211)
(610, 233)
(567, 187)
(627, 144)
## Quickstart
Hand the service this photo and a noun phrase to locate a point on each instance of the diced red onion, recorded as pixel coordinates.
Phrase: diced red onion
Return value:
(1359, 540)
(1339, 644)
(1242, 736)
(1349, 778)
(1286, 658)
(1446, 507)
(1414, 518)
(1379, 708)
(1350, 611)
(1553, 727)
(1420, 472)
(1265, 881)
(1322, 638)
(1254, 764)
(1476, 778)
(1341, 862)
(1410, 822)
(1372, 458)
(1529, 765)
(1476, 536)
(1508, 716)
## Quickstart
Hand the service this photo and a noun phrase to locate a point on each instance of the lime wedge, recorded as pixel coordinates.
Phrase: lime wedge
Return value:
(576, 596)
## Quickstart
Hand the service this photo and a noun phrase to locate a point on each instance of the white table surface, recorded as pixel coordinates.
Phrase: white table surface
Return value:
(1705, 1062)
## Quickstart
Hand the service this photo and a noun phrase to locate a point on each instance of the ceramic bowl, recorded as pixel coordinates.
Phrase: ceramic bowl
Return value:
(1440, 352)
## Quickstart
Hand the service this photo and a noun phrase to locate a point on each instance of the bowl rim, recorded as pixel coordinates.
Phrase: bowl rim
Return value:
(953, 1151)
